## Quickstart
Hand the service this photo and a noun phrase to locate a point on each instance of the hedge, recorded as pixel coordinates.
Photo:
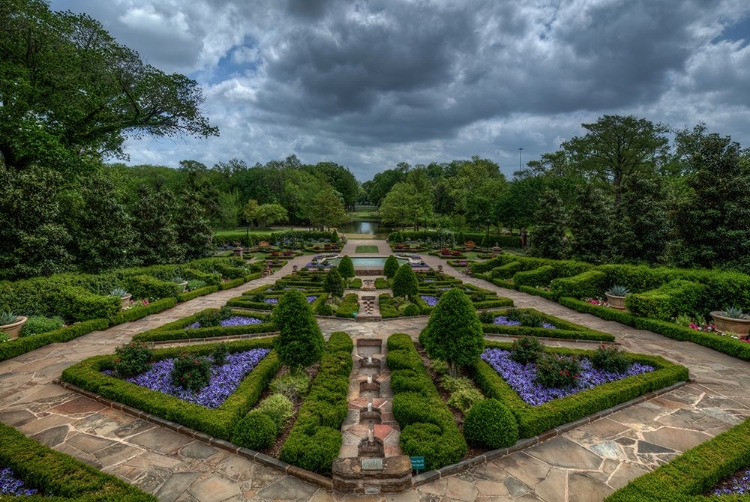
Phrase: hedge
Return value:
(504, 241)
(189, 295)
(668, 301)
(590, 284)
(544, 293)
(240, 236)
(232, 284)
(426, 422)
(217, 422)
(534, 420)
(146, 286)
(135, 313)
(349, 307)
(19, 346)
(176, 330)
(56, 473)
(565, 329)
(695, 472)
(315, 439)
(727, 345)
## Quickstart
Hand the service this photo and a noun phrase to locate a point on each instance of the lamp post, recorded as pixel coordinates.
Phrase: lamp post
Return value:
(487, 242)
(520, 151)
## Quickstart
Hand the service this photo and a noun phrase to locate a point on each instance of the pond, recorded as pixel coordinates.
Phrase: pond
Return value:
(362, 227)
(366, 262)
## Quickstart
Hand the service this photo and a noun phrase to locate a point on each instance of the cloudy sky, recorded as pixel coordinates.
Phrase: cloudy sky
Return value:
(370, 83)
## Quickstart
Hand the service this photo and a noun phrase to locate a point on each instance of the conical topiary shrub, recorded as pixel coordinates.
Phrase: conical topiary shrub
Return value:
(454, 332)
(300, 342)
(346, 267)
(334, 284)
(390, 267)
(405, 282)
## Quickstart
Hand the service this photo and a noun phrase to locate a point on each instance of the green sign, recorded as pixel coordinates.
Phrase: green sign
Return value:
(417, 463)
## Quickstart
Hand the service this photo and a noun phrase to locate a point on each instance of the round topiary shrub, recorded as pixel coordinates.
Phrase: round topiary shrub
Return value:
(256, 431)
(279, 408)
(491, 424)
(300, 342)
(405, 282)
(390, 267)
(325, 310)
(346, 267)
(411, 310)
(439, 448)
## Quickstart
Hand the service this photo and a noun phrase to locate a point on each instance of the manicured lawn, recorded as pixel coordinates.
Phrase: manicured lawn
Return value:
(366, 249)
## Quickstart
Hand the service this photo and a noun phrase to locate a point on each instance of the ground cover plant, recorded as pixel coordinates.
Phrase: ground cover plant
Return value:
(535, 419)
(531, 322)
(211, 323)
(366, 249)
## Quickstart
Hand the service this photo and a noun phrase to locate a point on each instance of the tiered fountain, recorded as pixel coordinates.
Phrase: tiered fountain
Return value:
(370, 461)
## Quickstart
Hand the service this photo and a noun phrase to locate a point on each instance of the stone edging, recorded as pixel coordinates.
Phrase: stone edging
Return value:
(227, 338)
(261, 458)
(429, 476)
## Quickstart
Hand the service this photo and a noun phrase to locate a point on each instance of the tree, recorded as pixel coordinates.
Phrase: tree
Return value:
(70, 93)
(390, 267)
(340, 178)
(250, 211)
(194, 233)
(268, 214)
(300, 342)
(617, 147)
(334, 283)
(327, 209)
(156, 234)
(454, 332)
(346, 267)
(548, 239)
(405, 282)
(589, 222)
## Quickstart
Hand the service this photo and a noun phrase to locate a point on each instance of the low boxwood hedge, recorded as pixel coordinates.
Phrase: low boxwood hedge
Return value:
(315, 439)
(668, 301)
(565, 329)
(19, 346)
(144, 310)
(695, 472)
(239, 281)
(427, 425)
(727, 345)
(176, 330)
(349, 307)
(217, 422)
(588, 284)
(544, 293)
(189, 295)
(534, 420)
(56, 473)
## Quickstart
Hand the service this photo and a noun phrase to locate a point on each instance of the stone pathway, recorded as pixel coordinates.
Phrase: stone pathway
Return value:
(584, 464)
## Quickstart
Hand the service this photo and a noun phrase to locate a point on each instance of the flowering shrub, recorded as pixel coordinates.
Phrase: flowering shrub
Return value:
(526, 350)
(596, 301)
(10, 485)
(558, 372)
(522, 378)
(223, 382)
(136, 303)
(191, 372)
(609, 358)
(132, 359)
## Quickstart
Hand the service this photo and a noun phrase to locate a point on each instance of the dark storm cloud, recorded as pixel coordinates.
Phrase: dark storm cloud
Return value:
(367, 81)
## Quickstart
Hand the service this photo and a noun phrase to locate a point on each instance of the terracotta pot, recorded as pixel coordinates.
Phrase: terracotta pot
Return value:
(13, 330)
(724, 324)
(616, 302)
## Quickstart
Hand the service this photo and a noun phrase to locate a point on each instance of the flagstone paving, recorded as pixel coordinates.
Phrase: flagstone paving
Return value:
(585, 464)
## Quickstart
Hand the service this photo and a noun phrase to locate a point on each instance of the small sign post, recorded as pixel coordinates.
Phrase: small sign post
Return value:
(417, 463)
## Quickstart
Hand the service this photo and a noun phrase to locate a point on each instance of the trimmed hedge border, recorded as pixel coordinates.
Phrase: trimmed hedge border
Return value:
(349, 307)
(725, 344)
(538, 292)
(534, 420)
(140, 312)
(565, 329)
(54, 472)
(25, 344)
(189, 295)
(217, 422)
(315, 439)
(693, 473)
(232, 284)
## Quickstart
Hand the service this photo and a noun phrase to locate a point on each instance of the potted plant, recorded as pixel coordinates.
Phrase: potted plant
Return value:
(124, 296)
(180, 282)
(11, 324)
(616, 296)
(732, 319)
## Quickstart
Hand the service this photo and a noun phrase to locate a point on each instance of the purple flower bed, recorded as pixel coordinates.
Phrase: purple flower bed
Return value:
(504, 321)
(430, 300)
(521, 377)
(739, 483)
(224, 379)
(311, 299)
(10, 485)
(232, 321)
(272, 301)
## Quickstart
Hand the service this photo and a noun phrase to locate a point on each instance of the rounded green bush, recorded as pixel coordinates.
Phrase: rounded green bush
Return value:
(334, 283)
(465, 399)
(256, 431)
(325, 309)
(315, 451)
(346, 267)
(191, 372)
(439, 448)
(411, 310)
(405, 282)
(390, 267)
(279, 408)
(399, 341)
(39, 324)
(491, 424)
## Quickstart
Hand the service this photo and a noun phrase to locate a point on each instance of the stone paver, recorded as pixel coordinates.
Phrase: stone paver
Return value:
(586, 463)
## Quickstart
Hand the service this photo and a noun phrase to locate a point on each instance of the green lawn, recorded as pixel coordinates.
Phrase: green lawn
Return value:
(366, 249)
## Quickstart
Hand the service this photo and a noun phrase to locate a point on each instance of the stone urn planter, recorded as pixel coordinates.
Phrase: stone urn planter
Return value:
(14, 329)
(738, 325)
(125, 300)
(616, 297)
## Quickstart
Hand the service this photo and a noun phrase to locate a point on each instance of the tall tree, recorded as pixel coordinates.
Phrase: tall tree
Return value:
(616, 147)
(327, 209)
(70, 93)
(548, 238)
(589, 222)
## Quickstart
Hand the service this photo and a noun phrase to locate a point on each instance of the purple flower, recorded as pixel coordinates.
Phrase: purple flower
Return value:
(430, 300)
(240, 321)
(311, 299)
(10, 485)
(272, 301)
(737, 484)
(504, 321)
(521, 377)
(224, 379)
